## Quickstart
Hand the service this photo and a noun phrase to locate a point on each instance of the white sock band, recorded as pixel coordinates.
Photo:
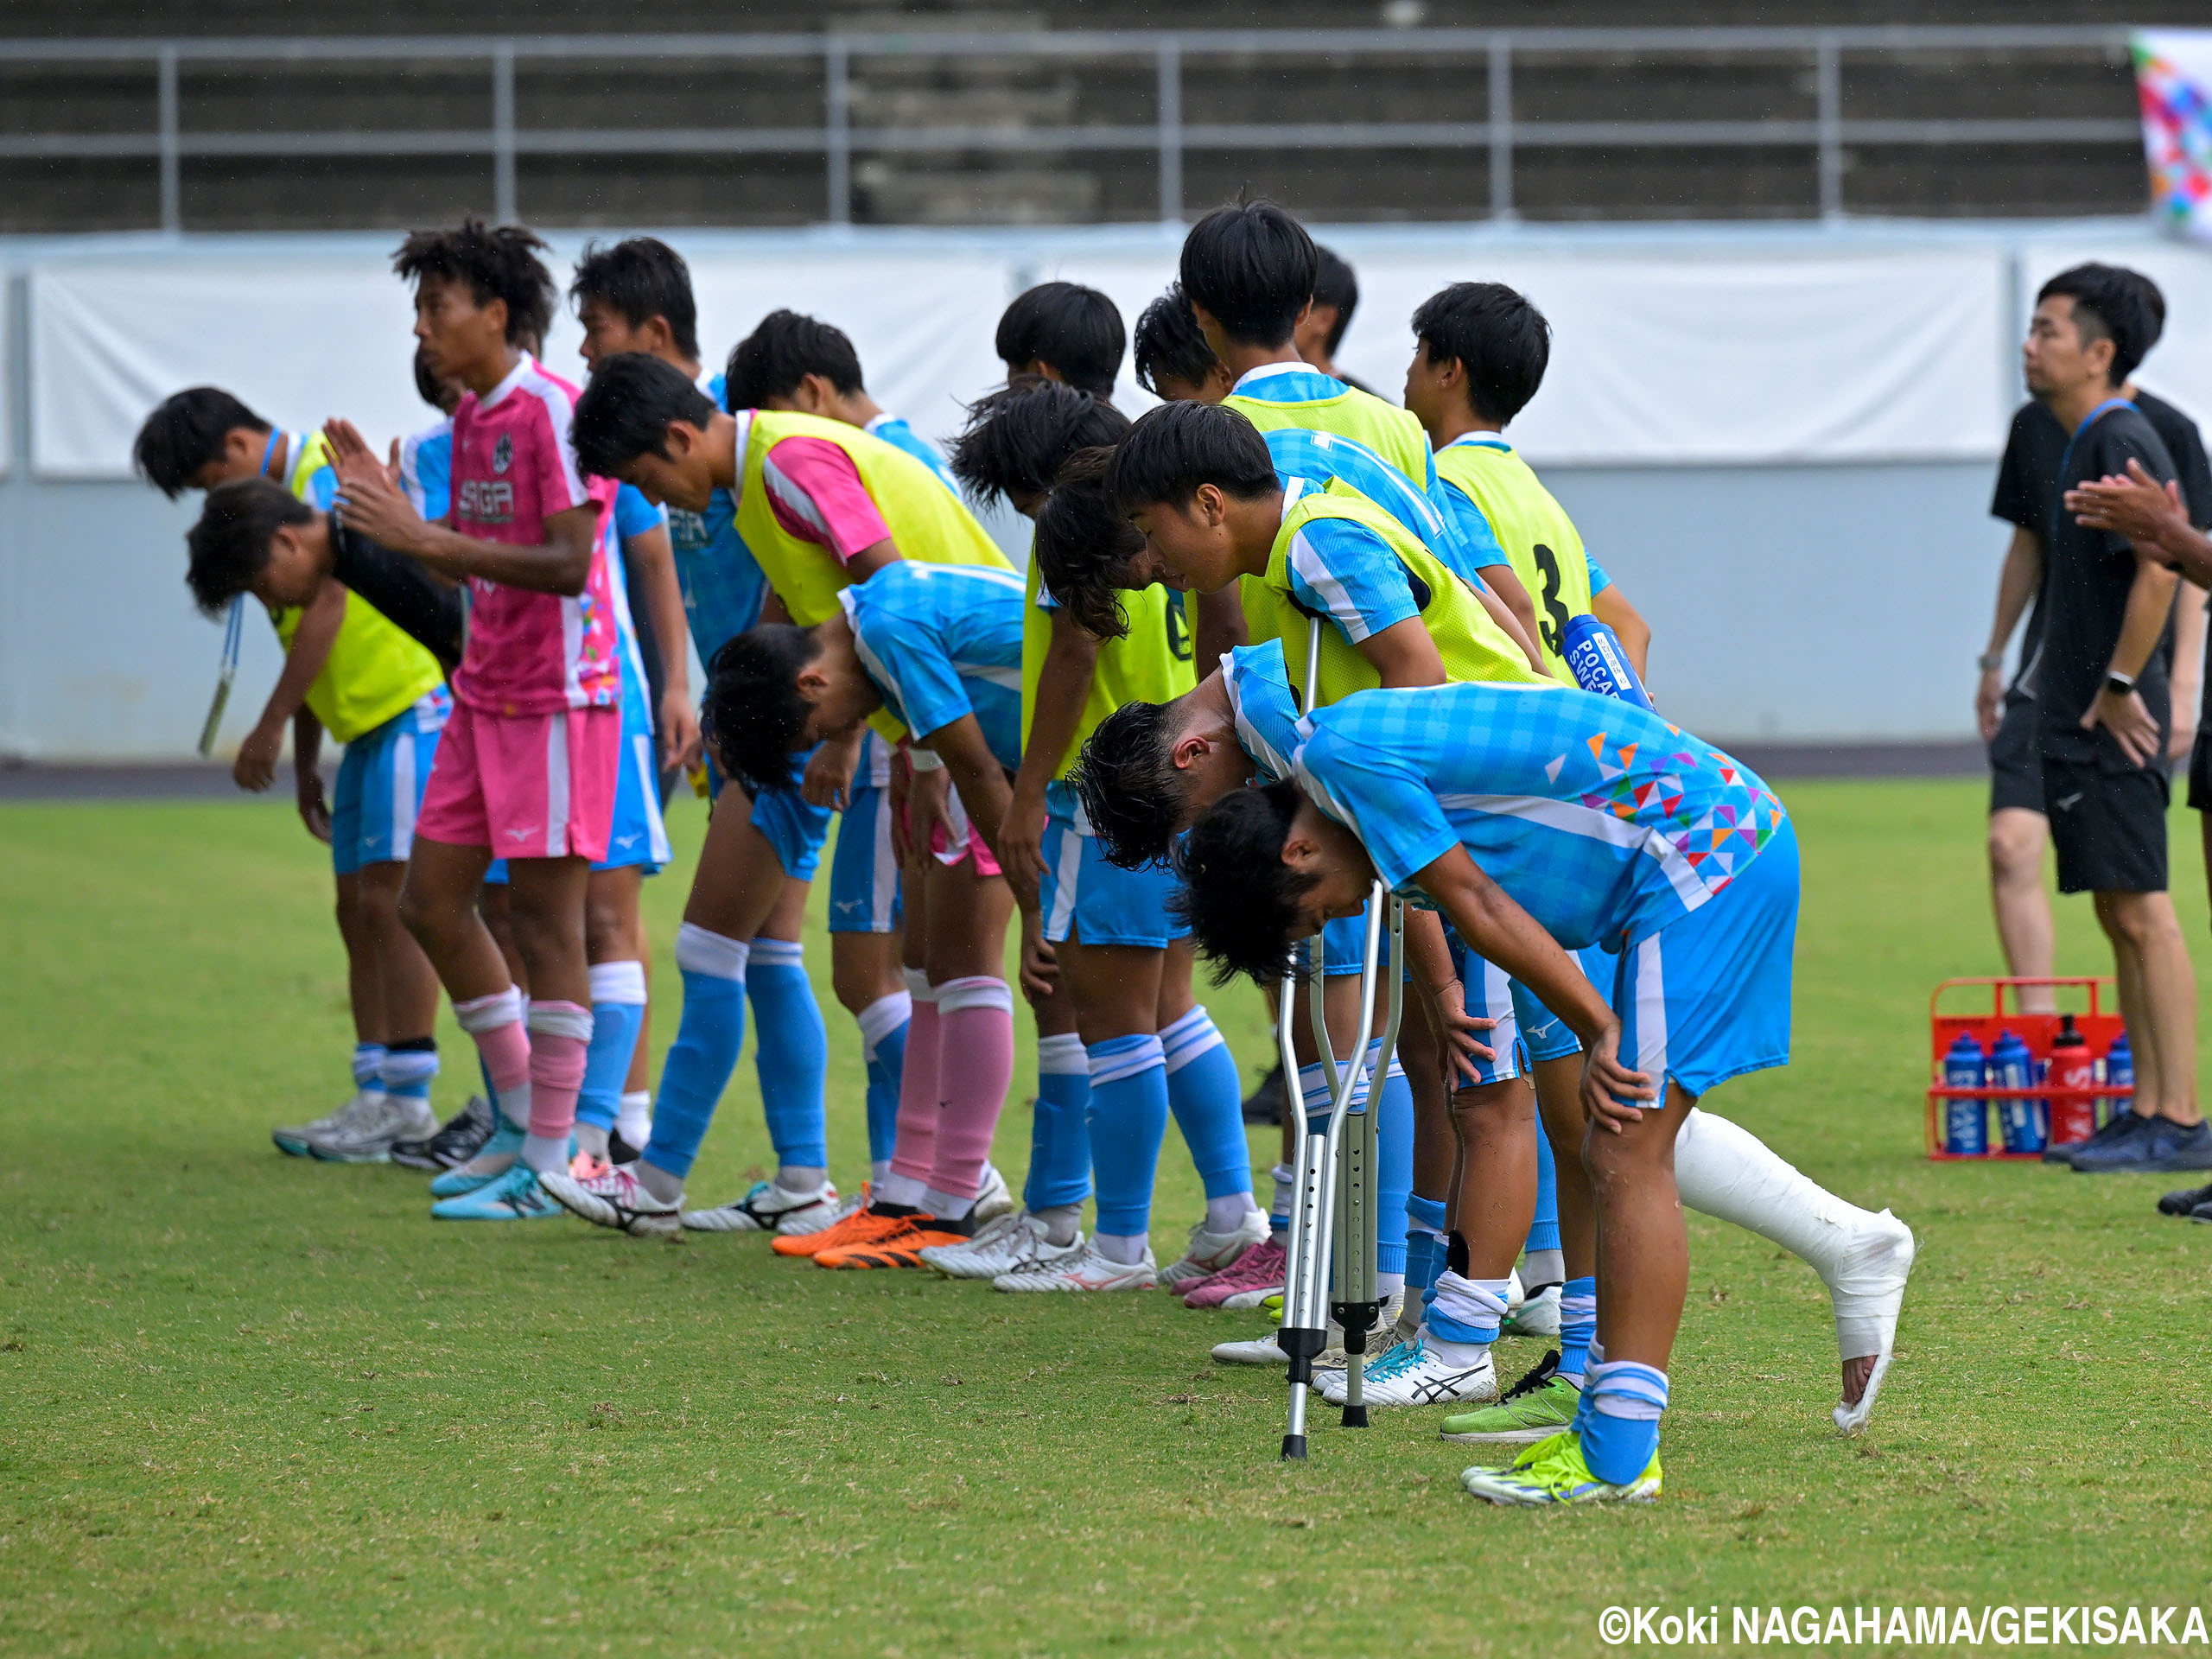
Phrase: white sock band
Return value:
(698, 951)
(918, 985)
(1138, 1057)
(779, 953)
(1190, 1037)
(618, 981)
(980, 991)
(882, 1017)
(489, 1013)
(561, 1020)
(1063, 1056)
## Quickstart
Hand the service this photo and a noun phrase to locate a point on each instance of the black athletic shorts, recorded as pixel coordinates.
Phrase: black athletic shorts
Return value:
(2015, 764)
(2107, 820)
(2200, 772)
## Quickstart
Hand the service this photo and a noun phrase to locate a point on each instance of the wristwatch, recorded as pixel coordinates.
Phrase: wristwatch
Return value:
(1990, 661)
(2120, 684)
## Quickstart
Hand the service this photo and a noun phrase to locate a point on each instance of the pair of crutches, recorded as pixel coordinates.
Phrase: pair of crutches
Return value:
(1333, 1182)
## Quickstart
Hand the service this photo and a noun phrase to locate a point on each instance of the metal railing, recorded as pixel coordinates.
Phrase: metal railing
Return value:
(1169, 135)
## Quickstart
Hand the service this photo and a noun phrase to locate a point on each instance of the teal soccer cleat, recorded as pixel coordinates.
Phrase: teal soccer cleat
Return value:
(515, 1196)
(506, 1138)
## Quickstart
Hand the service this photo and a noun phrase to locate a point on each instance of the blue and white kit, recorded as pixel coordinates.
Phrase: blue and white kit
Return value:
(380, 783)
(1464, 542)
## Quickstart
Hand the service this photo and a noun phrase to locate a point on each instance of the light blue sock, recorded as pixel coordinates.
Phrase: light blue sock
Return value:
(1394, 1170)
(1620, 1431)
(791, 1051)
(1060, 1134)
(1543, 1232)
(1577, 1325)
(709, 1039)
(618, 1013)
(405, 1073)
(1129, 1119)
(368, 1064)
(1423, 1262)
(1207, 1098)
(883, 1048)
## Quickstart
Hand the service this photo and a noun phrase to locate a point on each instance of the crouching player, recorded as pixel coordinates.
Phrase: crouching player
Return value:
(1536, 818)
(938, 648)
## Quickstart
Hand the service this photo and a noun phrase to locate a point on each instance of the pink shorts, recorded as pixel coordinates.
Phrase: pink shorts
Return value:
(962, 842)
(525, 785)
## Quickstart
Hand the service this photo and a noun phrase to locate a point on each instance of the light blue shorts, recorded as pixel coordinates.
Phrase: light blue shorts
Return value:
(1099, 903)
(797, 831)
(864, 870)
(1707, 998)
(637, 837)
(380, 783)
(1546, 1036)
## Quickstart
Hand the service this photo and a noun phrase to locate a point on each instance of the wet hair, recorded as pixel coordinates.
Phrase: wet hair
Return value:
(1239, 897)
(1170, 344)
(641, 277)
(1335, 284)
(2109, 303)
(1077, 330)
(1127, 780)
(1084, 546)
(1501, 341)
(1253, 266)
(1178, 447)
(1018, 438)
(185, 432)
(229, 546)
(625, 409)
(782, 351)
(754, 707)
(497, 261)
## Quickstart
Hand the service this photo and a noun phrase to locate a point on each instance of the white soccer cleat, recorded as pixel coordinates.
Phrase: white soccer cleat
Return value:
(1086, 1270)
(1868, 1294)
(768, 1208)
(1209, 1253)
(367, 1128)
(1012, 1244)
(1413, 1373)
(292, 1140)
(1262, 1350)
(1537, 1316)
(993, 1199)
(617, 1200)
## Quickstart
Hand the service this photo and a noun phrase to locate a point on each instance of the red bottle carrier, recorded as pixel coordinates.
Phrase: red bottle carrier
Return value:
(2096, 1026)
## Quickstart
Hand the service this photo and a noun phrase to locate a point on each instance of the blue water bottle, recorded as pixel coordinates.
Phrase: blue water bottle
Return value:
(1966, 1122)
(2120, 1070)
(1594, 656)
(2011, 1066)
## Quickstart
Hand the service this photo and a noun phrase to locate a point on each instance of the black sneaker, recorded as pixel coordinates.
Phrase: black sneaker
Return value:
(2186, 1201)
(458, 1140)
(2158, 1145)
(2117, 1145)
(2120, 1125)
(1264, 1104)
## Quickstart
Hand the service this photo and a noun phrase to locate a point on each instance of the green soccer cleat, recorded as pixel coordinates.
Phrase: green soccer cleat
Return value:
(1552, 1471)
(1534, 1408)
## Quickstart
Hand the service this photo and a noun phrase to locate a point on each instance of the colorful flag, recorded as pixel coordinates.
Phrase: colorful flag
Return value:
(2173, 80)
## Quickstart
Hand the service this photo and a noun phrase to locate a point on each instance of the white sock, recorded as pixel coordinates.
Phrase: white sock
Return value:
(1541, 1269)
(668, 1188)
(545, 1153)
(894, 1188)
(1390, 1284)
(1126, 1248)
(1723, 1170)
(591, 1140)
(1453, 1353)
(945, 1206)
(1226, 1215)
(877, 1173)
(800, 1179)
(635, 1121)
(1062, 1222)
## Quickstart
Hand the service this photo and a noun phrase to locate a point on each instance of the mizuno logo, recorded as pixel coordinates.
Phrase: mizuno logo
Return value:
(626, 841)
(522, 834)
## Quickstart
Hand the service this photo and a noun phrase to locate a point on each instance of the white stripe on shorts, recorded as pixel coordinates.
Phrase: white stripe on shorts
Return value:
(641, 752)
(403, 787)
(556, 787)
(885, 867)
(1062, 912)
(1651, 1012)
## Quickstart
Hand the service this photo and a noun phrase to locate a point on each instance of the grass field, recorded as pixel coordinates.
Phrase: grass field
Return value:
(255, 1404)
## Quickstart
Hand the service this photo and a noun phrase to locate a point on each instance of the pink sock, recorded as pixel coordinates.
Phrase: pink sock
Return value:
(495, 1021)
(560, 1035)
(975, 1064)
(915, 1147)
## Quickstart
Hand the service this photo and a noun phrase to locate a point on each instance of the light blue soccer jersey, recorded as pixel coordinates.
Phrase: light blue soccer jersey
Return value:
(894, 431)
(724, 586)
(940, 641)
(1264, 707)
(1598, 579)
(426, 470)
(1604, 822)
(1465, 544)
(633, 516)
(1346, 571)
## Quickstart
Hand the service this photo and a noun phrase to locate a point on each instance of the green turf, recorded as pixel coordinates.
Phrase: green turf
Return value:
(254, 1404)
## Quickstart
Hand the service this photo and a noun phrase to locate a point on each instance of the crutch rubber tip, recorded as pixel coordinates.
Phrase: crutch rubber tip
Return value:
(1355, 1417)
(1294, 1448)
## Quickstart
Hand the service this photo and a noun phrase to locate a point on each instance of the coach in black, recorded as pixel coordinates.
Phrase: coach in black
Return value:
(2099, 682)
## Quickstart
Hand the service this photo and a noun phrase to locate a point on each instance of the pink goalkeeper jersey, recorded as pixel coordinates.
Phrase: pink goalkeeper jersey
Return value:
(514, 467)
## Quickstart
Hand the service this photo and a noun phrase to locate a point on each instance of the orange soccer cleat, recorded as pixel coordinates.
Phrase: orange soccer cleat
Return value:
(861, 1226)
(902, 1249)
